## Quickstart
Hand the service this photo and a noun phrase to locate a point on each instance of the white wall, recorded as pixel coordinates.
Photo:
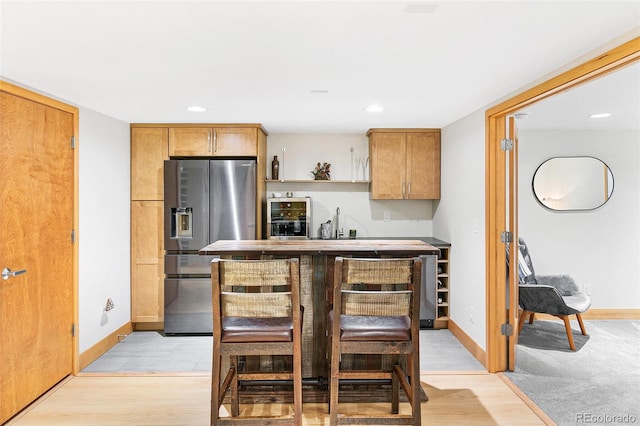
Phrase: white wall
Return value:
(104, 234)
(459, 218)
(599, 248)
(463, 202)
(411, 218)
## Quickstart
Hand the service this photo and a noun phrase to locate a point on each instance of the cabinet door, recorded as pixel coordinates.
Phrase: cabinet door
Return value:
(235, 141)
(387, 154)
(147, 262)
(148, 152)
(423, 166)
(190, 142)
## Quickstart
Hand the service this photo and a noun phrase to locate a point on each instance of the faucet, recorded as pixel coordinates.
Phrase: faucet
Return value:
(339, 231)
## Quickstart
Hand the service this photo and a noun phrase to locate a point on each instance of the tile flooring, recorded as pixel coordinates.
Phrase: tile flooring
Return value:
(150, 351)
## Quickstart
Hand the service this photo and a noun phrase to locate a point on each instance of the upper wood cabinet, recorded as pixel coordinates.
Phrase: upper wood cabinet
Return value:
(213, 141)
(149, 149)
(405, 164)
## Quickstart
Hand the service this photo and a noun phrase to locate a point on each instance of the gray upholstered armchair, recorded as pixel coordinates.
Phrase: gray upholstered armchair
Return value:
(556, 295)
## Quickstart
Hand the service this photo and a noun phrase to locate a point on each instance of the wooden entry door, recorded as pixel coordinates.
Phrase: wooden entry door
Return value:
(36, 223)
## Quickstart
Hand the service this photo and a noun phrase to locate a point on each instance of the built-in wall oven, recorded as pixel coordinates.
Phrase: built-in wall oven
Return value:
(288, 218)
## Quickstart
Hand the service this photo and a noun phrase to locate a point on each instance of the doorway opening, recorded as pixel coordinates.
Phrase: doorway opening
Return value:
(497, 194)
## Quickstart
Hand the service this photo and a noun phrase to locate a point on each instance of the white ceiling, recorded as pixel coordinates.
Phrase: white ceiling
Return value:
(427, 64)
(617, 93)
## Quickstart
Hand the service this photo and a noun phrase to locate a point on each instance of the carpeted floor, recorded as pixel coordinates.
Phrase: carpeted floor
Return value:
(599, 383)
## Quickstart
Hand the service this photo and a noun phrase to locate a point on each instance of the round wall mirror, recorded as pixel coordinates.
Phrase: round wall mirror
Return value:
(573, 183)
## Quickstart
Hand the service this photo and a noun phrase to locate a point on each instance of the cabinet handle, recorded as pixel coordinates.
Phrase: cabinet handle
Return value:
(209, 139)
(215, 141)
(403, 189)
(409, 194)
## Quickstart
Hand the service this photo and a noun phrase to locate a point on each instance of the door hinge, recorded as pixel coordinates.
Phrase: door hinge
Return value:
(73, 142)
(73, 330)
(506, 237)
(506, 144)
(73, 236)
(506, 330)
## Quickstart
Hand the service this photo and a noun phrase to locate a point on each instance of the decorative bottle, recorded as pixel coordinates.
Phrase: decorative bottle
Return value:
(275, 168)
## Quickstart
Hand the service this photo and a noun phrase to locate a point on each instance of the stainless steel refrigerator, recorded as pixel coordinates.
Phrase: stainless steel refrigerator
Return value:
(204, 201)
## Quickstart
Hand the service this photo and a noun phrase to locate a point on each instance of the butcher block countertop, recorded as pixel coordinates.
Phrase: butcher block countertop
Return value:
(364, 247)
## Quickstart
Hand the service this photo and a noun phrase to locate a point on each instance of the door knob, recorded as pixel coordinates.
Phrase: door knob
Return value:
(7, 273)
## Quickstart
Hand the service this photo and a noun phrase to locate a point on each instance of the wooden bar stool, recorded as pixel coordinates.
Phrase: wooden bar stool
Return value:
(376, 310)
(256, 311)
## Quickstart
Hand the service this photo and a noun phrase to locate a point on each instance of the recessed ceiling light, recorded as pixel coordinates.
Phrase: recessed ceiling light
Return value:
(420, 7)
(602, 115)
(196, 108)
(374, 108)
(320, 91)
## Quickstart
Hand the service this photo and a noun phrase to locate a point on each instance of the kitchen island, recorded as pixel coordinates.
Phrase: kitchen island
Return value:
(316, 279)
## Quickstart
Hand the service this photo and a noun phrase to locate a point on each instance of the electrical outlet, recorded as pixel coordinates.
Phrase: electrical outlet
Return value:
(387, 216)
(109, 305)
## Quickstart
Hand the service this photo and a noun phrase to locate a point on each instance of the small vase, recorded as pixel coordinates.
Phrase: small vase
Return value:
(275, 168)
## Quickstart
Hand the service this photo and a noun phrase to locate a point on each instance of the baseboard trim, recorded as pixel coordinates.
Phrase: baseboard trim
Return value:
(96, 351)
(148, 326)
(468, 343)
(602, 314)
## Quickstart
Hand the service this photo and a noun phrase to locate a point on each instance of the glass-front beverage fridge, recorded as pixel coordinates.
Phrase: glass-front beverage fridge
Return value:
(288, 218)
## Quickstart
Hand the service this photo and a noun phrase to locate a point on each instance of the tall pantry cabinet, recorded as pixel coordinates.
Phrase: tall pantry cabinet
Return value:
(149, 149)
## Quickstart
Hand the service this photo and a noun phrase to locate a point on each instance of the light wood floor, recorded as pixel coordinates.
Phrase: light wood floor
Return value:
(90, 399)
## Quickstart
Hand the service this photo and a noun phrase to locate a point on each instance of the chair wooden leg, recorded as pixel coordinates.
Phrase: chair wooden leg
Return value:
(334, 384)
(532, 316)
(567, 326)
(215, 384)
(395, 387)
(582, 329)
(235, 399)
(523, 315)
(297, 383)
(415, 387)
